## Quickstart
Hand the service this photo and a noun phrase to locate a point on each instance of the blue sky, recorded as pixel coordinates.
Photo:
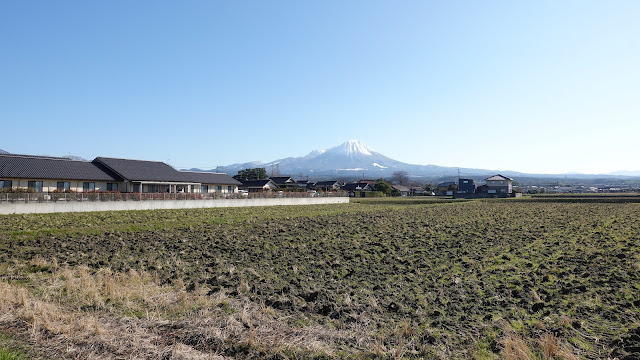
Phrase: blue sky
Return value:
(544, 87)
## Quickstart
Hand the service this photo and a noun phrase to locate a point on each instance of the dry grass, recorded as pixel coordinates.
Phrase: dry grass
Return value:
(516, 348)
(548, 347)
(94, 315)
(553, 348)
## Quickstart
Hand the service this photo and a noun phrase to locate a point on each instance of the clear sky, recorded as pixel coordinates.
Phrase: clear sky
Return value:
(535, 86)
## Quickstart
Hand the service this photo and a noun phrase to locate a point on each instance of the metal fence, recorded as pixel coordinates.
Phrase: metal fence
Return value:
(13, 197)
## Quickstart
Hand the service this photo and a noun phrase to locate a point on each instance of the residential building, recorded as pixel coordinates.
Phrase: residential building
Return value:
(213, 183)
(147, 176)
(304, 184)
(48, 174)
(403, 190)
(419, 191)
(253, 186)
(500, 185)
(466, 186)
(327, 185)
(357, 189)
(284, 182)
(447, 188)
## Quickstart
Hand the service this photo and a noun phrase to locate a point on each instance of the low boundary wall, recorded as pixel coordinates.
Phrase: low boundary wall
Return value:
(77, 206)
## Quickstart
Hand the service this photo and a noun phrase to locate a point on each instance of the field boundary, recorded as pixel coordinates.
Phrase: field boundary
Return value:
(60, 207)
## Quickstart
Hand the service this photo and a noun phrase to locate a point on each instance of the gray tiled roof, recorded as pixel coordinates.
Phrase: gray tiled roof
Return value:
(257, 183)
(47, 167)
(498, 177)
(326, 183)
(448, 183)
(140, 170)
(210, 178)
(282, 180)
(401, 188)
(356, 186)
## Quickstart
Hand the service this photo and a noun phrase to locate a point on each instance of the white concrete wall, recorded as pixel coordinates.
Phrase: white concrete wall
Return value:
(86, 206)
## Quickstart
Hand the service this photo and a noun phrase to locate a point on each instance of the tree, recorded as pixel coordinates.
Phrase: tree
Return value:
(382, 186)
(252, 174)
(400, 177)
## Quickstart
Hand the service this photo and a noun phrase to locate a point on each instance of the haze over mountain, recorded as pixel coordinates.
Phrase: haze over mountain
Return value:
(3, 152)
(625, 173)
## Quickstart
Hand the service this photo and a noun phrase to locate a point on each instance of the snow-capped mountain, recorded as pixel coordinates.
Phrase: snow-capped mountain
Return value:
(350, 159)
(352, 148)
(3, 152)
(349, 156)
(353, 159)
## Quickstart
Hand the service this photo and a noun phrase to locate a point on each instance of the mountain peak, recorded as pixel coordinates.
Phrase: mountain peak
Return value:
(352, 147)
(313, 154)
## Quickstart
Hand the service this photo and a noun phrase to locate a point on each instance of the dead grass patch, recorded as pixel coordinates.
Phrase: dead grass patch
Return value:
(74, 312)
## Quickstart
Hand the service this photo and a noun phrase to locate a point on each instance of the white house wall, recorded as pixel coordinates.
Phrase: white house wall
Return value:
(213, 189)
(52, 185)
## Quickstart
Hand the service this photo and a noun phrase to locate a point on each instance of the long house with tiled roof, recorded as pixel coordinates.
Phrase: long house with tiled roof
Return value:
(48, 174)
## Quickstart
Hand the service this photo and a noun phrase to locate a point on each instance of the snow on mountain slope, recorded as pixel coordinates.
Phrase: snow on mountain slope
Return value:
(313, 154)
(351, 148)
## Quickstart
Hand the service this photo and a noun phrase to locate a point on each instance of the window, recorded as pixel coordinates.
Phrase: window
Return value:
(63, 185)
(112, 187)
(204, 189)
(230, 188)
(152, 188)
(219, 188)
(5, 184)
(36, 185)
(88, 186)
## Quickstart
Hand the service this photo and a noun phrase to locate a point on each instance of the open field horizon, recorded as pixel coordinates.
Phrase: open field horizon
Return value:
(435, 279)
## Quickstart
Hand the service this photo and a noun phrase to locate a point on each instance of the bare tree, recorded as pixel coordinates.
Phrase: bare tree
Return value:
(400, 177)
